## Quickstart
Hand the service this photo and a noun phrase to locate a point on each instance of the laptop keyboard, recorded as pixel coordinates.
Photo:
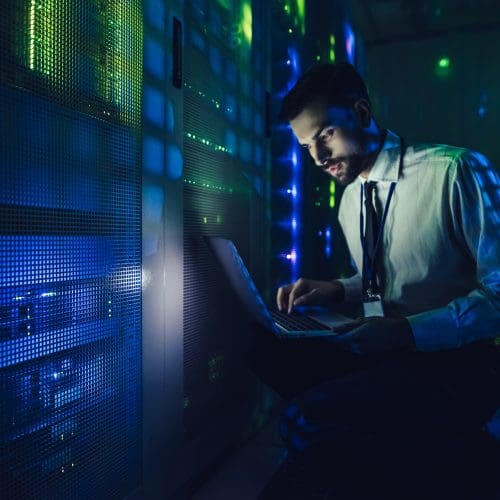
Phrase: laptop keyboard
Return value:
(295, 321)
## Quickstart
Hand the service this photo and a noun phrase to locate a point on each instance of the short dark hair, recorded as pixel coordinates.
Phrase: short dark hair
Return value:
(338, 83)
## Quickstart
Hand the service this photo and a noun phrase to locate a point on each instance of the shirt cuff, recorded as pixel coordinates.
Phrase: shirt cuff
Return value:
(434, 330)
(352, 288)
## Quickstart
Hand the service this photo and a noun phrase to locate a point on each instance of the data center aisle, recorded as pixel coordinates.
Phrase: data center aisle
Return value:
(245, 474)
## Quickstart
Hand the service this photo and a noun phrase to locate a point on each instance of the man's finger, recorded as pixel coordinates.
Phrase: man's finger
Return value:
(297, 290)
(306, 299)
(282, 297)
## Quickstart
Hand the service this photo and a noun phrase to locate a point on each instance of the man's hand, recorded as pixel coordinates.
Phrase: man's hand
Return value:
(375, 335)
(305, 292)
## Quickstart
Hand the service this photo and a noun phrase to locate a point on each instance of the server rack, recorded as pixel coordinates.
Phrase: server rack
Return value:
(70, 259)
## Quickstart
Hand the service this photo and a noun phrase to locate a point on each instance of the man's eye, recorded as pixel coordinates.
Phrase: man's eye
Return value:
(328, 132)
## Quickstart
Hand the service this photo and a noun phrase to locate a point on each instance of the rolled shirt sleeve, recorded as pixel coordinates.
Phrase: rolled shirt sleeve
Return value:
(474, 215)
(352, 288)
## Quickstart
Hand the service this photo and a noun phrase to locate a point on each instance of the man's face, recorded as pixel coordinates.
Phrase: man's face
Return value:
(334, 137)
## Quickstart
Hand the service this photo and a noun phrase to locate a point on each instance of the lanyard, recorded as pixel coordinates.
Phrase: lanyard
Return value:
(370, 263)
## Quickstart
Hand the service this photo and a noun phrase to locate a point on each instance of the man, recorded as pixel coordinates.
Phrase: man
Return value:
(422, 224)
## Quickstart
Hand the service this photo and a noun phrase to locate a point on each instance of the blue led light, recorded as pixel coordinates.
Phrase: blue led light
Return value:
(350, 43)
(175, 162)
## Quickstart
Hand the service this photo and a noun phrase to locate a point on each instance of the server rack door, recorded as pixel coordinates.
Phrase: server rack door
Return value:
(70, 249)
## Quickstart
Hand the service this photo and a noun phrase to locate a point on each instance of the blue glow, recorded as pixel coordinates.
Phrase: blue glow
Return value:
(48, 294)
(170, 116)
(154, 58)
(350, 43)
(294, 223)
(154, 106)
(175, 162)
(155, 13)
(215, 60)
(245, 149)
(198, 41)
(231, 142)
(258, 185)
(231, 72)
(328, 241)
(153, 199)
(230, 107)
(245, 116)
(153, 155)
(83, 139)
(294, 158)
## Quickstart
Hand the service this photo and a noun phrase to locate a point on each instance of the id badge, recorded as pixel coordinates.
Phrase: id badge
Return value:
(373, 307)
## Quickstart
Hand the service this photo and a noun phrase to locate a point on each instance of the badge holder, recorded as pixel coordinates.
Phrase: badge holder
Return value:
(372, 305)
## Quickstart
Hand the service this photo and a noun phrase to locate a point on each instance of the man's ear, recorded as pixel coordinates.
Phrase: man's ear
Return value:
(363, 112)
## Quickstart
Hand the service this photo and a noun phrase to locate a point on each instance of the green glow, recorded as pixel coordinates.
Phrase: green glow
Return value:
(246, 21)
(219, 219)
(206, 142)
(332, 39)
(41, 37)
(205, 220)
(444, 62)
(332, 187)
(290, 30)
(215, 102)
(332, 201)
(332, 55)
(31, 33)
(287, 8)
(318, 57)
(301, 12)
(120, 68)
(318, 204)
(208, 185)
(226, 4)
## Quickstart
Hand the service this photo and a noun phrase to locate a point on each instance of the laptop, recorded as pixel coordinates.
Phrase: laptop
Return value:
(280, 323)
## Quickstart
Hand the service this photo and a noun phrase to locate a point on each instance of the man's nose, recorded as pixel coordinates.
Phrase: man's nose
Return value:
(322, 154)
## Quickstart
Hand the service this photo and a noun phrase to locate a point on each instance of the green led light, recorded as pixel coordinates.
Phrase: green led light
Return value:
(207, 185)
(205, 220)
(332, 187)
(215, 102)
(444, 62)
(301, 12)
(317, 188)
(246, 21)
(41, 37)
(206, 142)
(318, 57)
(332, 201)
(318, 204)
(287, 8)
(332, 55)
(332, 39)
(290, 30)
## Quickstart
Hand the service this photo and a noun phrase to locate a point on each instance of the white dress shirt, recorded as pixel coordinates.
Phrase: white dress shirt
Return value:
(441, 241)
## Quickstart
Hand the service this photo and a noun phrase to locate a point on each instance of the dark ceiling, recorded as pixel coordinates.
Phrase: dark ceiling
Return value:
(382, 21)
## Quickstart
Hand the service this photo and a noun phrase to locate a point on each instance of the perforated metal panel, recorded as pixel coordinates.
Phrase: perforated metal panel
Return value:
(70, 248)
(224, 175)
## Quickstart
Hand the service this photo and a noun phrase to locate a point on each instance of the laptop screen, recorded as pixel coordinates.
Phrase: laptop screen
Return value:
(240, 280)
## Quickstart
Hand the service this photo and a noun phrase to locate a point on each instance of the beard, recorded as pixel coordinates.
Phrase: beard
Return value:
(349, 168)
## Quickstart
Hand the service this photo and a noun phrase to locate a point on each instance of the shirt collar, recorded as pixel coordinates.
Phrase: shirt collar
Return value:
(386, 166)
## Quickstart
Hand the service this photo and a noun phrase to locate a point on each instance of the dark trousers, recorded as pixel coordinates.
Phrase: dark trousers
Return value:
(407, 421)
